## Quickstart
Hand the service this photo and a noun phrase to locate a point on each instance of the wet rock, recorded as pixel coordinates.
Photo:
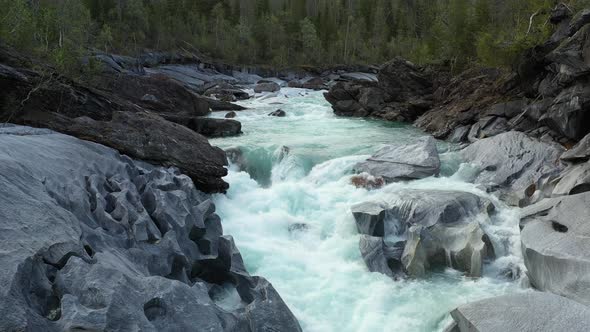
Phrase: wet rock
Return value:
(532, 311)
(115, 244)
(278, 113)
(381, 257)
(226, 92)
(580, 152)
(236, 157)
(404, 161)
(231, 115)
(555, 241)
(267, 87)
(512, 162)
(437, 228)
(459, 135)
(367, 181)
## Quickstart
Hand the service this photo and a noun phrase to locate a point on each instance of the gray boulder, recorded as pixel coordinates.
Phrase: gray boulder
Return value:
(580, 152)
(92, 240)
(574, 180)
(436, 228)
(568, 114)
(512, 164)
(403, 161)
(555, 242)
(267, 87)
(526, 312)
(380, 256)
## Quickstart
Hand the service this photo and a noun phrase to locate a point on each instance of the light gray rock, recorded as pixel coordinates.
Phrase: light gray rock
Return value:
(580, 152)
(438, 228)
(459, 135)
(574, 180)
(526, 312)
(555, 242)
(403, 161)
(512, 164)
(92, 240)
(267, 87)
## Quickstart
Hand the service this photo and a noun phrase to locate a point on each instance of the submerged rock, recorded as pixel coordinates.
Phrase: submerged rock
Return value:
(403, 161)
(92, 240)
(512, 163)
(230, 115)
(530, 312)
(367, 181)
(278, 113)
(556, 246)
(437, 228)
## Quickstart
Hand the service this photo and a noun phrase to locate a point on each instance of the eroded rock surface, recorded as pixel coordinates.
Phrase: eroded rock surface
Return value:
(433, 228)
(512, 164)
(556, 246)
(401, 162)
(92, 240)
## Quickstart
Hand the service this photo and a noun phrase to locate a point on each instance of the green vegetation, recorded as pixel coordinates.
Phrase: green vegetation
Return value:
(282, 32)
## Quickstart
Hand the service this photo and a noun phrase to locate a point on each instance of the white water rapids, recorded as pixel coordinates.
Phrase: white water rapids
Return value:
(290, 217)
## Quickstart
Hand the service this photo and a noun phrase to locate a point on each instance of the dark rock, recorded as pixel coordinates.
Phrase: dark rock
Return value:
(230, 115)
(267, 87)
(512, 162)
(404, 161)
(402, 79)
(508, 110)
(278, 113)
(114, 244)
(580, 152)
(569, 113)
(226, 92)
(556, 246)
(459, 135)
(532, 311)
(436, 228)
(209, 127)
(66, 106)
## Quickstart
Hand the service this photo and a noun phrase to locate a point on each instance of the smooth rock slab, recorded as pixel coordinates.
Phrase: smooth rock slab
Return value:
(574, 180)
(403, 161)
(526, 312)
(556, 246)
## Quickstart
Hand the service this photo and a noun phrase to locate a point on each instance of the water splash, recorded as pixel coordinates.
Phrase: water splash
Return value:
(298, 231)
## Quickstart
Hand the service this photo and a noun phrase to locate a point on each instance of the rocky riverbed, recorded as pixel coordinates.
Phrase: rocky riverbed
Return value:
(121, 194)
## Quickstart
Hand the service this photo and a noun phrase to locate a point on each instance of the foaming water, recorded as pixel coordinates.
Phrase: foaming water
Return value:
(290, 217)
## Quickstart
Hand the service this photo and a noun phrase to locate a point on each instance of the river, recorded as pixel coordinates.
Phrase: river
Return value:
(289, 213)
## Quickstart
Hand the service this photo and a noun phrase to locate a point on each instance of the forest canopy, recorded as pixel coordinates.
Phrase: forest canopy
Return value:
(283, 33)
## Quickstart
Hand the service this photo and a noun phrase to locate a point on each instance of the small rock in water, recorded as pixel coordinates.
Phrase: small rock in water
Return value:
(367, 181)
(278, 113)
(230, 115)
(298, 227)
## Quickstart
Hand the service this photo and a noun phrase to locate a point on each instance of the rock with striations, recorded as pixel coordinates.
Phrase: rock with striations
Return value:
(380, 256)
(209, 127)
(555, 241)
(574, 180)
(569, 113)
(402, 162)
(93, 240)
(107, 118)
(512, 164)
(434, 228)
(267, 87)
(580, 152)
(525, 312)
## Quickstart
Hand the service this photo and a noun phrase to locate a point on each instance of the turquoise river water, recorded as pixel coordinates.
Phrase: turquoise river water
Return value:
(317, 268)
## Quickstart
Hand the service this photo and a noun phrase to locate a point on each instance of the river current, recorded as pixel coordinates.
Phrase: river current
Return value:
(289, 213)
